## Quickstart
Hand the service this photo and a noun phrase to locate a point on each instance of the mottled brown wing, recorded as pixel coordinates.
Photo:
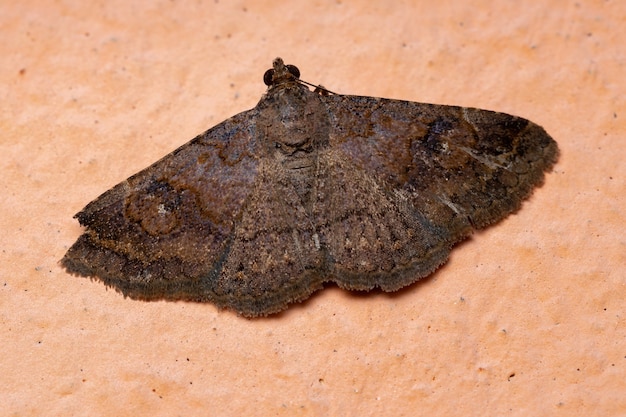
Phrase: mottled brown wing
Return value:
(165, 231)
(434, 172)
(275, 257)
(373, 235)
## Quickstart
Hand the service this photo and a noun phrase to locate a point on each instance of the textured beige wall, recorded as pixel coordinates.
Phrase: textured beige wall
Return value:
(527, 318)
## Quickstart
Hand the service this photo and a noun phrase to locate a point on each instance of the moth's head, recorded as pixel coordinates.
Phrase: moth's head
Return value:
(280, 74)
(292, 121)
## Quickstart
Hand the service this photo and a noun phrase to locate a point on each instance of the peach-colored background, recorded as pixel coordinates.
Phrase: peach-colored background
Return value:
(527, 318)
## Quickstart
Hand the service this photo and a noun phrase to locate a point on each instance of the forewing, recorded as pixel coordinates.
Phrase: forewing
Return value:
(410, 179)
(461, 167)
(165, 231)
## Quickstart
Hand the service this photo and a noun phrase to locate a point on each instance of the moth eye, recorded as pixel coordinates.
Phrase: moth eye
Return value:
(278, 145)
(268, 76)
(293, 70)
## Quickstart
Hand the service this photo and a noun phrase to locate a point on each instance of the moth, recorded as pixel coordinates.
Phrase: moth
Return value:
(309, 187)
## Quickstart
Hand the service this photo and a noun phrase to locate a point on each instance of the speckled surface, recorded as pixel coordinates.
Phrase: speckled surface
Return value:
(527, 318)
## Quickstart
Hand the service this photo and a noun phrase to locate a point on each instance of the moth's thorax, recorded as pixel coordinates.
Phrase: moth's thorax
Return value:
(292, 125)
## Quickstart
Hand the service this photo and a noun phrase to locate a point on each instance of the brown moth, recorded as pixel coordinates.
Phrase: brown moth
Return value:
(309, 187)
